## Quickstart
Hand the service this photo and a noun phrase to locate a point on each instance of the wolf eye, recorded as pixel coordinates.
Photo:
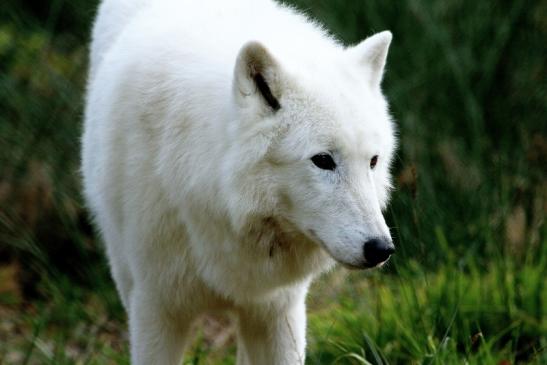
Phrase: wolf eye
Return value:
(323, 161)
(373, 161)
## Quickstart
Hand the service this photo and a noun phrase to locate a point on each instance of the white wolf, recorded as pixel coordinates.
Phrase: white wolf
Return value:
(232, 151)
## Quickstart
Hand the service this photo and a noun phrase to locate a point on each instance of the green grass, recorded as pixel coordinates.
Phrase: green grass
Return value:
(466, 82)
(443, 317)
(451, 316)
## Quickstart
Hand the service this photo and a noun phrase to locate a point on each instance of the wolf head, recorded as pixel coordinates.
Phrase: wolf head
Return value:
(314, 145)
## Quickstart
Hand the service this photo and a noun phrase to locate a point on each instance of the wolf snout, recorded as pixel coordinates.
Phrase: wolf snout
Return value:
(377, 250)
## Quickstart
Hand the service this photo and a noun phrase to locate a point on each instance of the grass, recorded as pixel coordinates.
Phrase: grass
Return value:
(444, 317)
(492, 315)
(466, 85)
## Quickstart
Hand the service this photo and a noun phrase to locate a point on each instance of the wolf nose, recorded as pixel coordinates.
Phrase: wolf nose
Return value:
(378, 250)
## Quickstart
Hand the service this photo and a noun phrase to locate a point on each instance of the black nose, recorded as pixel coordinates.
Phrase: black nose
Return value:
(378, 250)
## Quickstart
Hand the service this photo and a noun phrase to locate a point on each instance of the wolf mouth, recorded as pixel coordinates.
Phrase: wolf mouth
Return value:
(351, 266)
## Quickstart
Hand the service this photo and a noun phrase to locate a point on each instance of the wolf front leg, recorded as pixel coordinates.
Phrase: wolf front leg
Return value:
(272, 336)
(156, 337)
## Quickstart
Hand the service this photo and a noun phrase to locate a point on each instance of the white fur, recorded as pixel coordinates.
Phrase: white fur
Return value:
(205, 196)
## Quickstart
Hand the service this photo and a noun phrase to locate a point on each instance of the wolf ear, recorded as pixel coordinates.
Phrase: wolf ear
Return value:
(372, 53)
(257, 77)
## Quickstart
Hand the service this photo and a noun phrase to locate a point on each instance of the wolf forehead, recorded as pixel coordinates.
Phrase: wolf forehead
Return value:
(331, 93)
(344, 116)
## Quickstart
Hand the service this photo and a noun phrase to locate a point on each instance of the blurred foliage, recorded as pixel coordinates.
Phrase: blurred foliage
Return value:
(467, 85)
